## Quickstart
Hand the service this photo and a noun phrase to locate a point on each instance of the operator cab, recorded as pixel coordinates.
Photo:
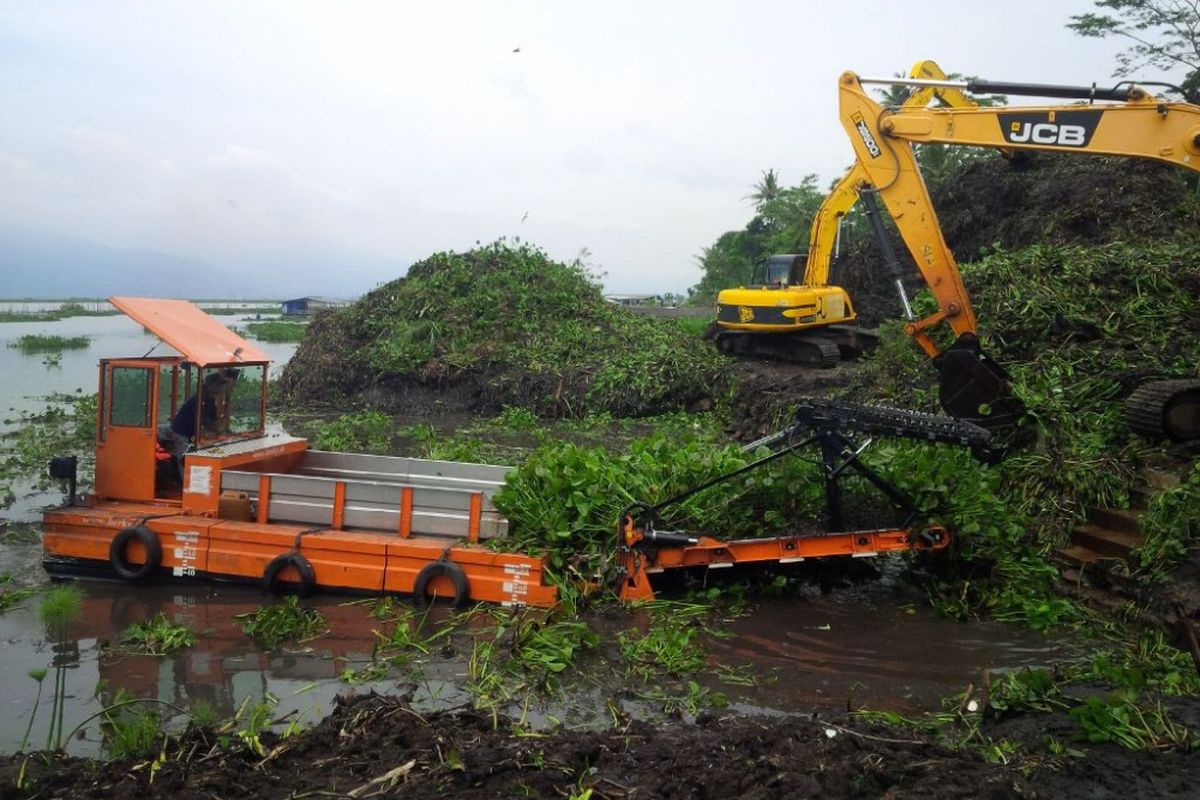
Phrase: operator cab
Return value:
(774, 272)
(154, 409)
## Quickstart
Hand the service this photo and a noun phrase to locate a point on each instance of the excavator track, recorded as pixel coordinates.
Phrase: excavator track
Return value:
(811, 350)
(1165, 410)
(822, 350)
(847, 417)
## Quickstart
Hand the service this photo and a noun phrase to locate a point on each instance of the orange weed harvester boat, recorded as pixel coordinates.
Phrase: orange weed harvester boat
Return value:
(189, 484)
(247, 504)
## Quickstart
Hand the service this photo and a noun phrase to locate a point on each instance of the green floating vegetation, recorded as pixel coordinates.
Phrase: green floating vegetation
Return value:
(65, 311)
(66, 425)
(10, 594)
(358, 432)
(567, 498)
(524, 652)
(157, 637)
(669, 646)
(287, 621)
(522, 329)
(276, 331)
(32, 343)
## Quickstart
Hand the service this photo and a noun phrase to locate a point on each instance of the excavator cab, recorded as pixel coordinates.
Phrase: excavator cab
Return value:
(778, 271)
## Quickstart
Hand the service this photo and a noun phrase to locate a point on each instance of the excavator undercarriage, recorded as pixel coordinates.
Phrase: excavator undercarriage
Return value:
(823, 348)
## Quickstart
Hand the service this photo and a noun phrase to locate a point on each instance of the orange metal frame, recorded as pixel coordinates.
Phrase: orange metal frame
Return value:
(197, 542)
(637, 562)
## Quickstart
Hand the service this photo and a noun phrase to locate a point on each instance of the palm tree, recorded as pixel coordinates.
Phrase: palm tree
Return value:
(766, 190)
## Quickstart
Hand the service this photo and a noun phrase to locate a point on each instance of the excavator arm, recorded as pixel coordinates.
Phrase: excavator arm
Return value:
(973, 387)
(823, 235)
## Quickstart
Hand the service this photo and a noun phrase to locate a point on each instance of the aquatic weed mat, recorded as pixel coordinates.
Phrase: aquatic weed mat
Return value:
(502, 324)
(379, 747)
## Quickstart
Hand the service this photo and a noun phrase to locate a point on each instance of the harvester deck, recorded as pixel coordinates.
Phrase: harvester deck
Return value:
(375, 532)
(239, 503)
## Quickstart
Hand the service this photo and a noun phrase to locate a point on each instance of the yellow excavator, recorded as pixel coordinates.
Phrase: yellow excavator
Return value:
(1125, 120)
(788, 310)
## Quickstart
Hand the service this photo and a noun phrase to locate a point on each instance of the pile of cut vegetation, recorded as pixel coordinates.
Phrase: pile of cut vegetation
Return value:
(997, 203)
(502, 324)
(1077, 327)
(1012, 203)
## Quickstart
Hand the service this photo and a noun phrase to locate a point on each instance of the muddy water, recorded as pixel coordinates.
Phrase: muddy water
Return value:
(874, 644)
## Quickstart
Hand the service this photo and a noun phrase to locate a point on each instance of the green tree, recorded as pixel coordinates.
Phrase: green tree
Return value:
(766, 190)
(781, 224)
(1164, 34)
(727, 262)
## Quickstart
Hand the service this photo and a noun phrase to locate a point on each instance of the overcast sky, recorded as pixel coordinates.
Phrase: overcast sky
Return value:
(323, 147)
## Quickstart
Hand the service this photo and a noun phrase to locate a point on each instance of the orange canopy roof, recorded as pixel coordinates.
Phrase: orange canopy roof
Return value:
(200, 338)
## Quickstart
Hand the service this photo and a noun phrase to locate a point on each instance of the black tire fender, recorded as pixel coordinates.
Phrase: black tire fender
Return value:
(308, 578)
(121, 564)
(448, 569)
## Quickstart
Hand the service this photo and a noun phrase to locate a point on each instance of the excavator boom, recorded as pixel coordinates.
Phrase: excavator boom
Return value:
(973, 387)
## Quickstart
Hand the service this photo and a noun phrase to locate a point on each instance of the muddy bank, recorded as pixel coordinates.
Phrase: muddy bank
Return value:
(766, 392)
(373, 746)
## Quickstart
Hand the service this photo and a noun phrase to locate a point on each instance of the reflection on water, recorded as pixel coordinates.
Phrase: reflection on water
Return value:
(222, 669)
(874, 646)
(805, 654)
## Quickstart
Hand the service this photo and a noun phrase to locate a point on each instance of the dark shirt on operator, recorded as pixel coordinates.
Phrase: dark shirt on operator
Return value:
(184, 422)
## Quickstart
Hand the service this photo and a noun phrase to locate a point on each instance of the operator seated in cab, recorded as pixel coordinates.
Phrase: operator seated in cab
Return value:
(212, 404)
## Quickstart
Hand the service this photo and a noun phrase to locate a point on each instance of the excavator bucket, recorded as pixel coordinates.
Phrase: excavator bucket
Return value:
(975, 388)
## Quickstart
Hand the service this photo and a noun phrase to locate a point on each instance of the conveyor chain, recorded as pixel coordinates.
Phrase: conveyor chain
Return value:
(846, 417)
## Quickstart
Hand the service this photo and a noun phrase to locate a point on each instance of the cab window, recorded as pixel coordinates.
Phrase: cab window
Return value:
(771, 272)
(130, 393)
(231, 402)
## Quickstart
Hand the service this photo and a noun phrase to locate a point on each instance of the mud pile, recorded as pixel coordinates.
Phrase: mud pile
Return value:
(379, 747)
(997, 203)
(500, 325)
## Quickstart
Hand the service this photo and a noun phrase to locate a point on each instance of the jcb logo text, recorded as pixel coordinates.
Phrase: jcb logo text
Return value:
(1069, 128)
(1048, 133)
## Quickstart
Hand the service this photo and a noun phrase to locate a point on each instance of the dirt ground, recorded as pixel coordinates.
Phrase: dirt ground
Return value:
(378, 747)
